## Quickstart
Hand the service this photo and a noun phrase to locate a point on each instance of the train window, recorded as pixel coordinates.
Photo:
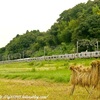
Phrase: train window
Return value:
(76, 55)
(90, 53)
(80, 54)
(96, 53)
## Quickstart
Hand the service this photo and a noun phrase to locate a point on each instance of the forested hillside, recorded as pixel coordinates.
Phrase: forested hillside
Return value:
(80, 23)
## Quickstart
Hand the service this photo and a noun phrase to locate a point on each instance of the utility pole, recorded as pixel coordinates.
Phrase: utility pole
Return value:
(97, 45)
(44, 52)
(77, 48)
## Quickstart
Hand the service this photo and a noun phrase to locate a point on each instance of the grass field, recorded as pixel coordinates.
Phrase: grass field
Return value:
(41, 78)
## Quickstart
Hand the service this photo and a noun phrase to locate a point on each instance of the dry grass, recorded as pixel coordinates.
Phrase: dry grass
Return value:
(86, 77)
(53, 91)
(32, 88)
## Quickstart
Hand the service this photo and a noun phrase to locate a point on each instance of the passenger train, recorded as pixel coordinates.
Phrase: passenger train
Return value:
(95, 54)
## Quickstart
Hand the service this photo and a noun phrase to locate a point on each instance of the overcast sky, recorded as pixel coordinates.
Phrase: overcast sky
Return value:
(17, 16)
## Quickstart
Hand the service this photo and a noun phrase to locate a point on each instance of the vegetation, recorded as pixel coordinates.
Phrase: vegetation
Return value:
(81, 22)
(41, 78)
(54, 71)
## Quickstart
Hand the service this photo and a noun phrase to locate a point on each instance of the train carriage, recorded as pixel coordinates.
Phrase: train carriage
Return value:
(95, 54)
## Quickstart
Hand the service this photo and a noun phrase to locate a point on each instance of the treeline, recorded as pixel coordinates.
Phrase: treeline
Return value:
(80, 23)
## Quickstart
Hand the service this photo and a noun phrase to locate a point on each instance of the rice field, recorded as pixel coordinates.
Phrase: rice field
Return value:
(41, 80)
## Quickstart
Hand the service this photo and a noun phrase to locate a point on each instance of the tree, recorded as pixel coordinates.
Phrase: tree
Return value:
(90, 28)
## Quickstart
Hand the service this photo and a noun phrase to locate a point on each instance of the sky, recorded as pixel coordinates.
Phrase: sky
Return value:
(18, 16)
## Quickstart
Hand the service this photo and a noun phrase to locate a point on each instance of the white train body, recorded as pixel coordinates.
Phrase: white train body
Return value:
(95, 54)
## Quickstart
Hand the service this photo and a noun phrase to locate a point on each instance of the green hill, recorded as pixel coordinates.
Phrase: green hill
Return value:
(80, 23)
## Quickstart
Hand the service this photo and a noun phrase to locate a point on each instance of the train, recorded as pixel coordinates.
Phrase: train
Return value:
(94, 54)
